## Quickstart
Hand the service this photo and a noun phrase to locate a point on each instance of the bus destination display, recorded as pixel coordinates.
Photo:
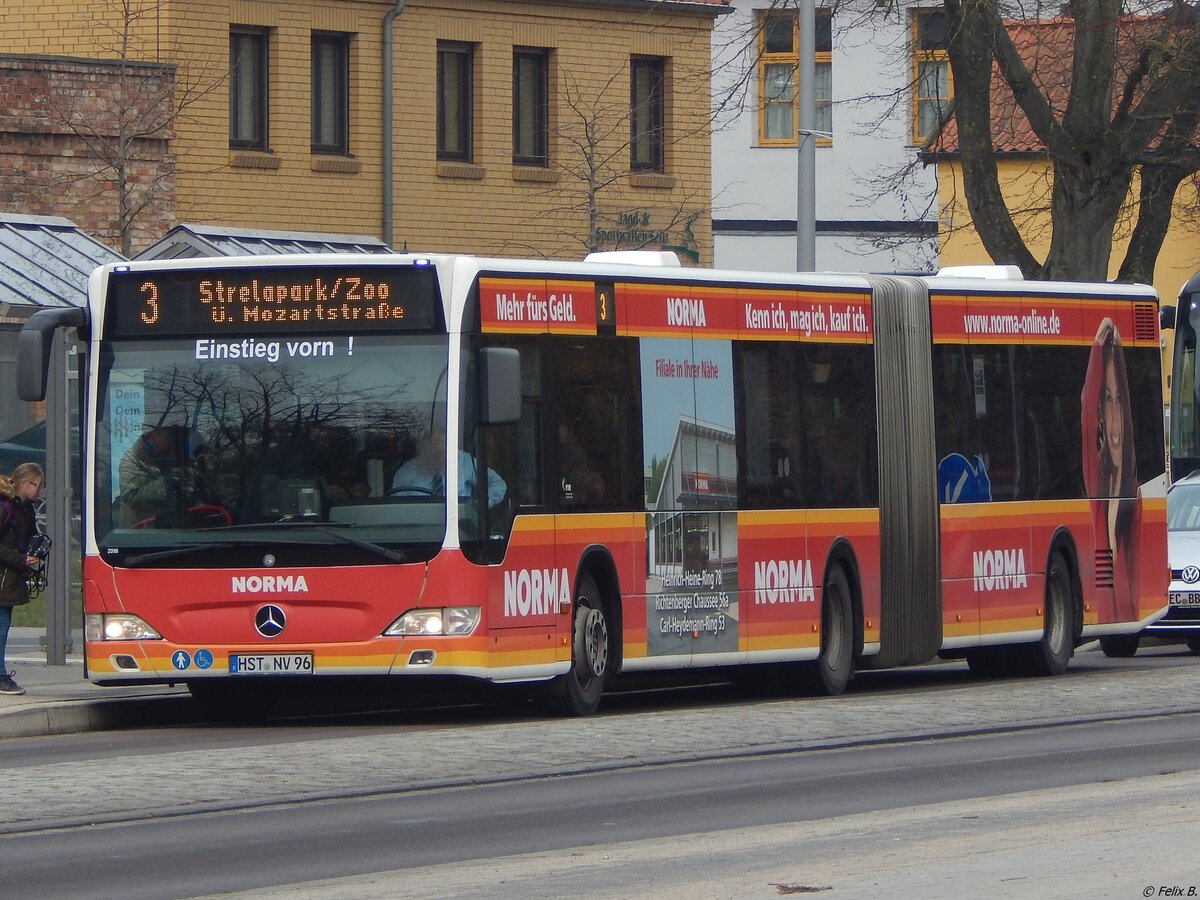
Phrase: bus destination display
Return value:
(272, 299)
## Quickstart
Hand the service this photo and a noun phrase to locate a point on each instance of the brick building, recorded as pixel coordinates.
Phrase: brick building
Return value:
(63, 147)
(281, 107)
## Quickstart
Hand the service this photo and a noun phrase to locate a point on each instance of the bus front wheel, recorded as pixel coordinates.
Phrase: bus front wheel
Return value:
(591, 652)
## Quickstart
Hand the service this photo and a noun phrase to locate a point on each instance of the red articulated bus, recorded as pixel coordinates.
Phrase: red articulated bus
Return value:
(656, 468)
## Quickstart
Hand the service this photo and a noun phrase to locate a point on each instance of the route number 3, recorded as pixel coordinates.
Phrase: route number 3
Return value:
(150, 314)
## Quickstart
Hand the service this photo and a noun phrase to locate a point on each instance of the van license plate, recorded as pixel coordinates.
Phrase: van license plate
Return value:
(270, 664)
(1185, 598)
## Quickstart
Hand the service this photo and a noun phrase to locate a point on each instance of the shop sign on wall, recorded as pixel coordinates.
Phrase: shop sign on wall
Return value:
(639, 230)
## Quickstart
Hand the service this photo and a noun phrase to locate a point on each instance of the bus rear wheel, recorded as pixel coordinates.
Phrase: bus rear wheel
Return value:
(591, 653)
(1052, 654)
(830, 673)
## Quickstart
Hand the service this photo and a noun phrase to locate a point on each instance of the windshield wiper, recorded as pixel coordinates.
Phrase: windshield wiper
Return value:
(324, 528)
(140, 559)
(386, 553)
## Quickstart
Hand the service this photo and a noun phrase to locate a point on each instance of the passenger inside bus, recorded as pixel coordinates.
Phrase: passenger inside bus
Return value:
(161, 483)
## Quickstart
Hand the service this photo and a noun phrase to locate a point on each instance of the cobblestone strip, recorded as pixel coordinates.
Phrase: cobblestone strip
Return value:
(159, 783)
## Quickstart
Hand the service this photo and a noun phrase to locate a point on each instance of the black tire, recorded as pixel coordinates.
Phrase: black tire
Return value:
(580, 689)
(1193, 644)
(831, 672)
(1052, 654)
(1120, 646)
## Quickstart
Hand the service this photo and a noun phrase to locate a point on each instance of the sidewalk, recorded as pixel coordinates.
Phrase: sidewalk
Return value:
(60, 700)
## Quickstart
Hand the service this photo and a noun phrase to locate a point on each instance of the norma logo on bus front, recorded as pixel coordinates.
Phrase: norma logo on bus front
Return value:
(269, 584)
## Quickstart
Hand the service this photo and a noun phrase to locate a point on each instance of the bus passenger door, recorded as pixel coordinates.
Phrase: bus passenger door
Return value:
(964, 490)
(1004, 571)
(693, 606)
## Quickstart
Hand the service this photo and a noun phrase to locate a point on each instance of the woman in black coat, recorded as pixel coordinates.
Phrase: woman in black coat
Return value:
(17, 524)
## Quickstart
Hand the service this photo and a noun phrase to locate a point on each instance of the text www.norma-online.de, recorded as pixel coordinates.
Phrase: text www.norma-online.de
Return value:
(1031, 322)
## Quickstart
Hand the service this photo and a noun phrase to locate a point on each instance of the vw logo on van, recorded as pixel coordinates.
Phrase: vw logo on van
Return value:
(1190, 574)
(269, 621)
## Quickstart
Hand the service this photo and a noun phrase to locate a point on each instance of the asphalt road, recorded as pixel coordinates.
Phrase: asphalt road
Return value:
(671, 804)
(701, 795)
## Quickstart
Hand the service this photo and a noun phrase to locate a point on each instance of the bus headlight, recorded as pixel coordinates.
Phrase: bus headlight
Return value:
(118, 627)
(443, 620)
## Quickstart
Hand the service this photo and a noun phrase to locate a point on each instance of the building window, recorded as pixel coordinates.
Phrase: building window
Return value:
(454, 66)
(931, 73)
(530, 107)
(779, 43)
(248, 89)
(330, 93)
(646, 105)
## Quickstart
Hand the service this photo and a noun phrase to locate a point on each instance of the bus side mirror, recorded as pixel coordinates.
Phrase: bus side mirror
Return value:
(1166, 317)
(500, 376)
(34, 346)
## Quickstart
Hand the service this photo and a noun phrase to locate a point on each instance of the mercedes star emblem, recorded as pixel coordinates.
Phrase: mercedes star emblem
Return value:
(269, 621)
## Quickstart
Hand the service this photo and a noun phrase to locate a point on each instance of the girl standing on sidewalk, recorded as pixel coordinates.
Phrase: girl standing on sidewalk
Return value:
(17, 524)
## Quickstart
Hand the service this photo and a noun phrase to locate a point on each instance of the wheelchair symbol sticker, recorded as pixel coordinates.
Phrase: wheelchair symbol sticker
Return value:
(203, 658)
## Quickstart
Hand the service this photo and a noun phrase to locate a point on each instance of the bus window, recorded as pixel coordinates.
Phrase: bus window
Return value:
(1053, 455)
(596, 416)
(1145, 388)
(771, 453)
(838, 415)
(999, 422)
(519, 450)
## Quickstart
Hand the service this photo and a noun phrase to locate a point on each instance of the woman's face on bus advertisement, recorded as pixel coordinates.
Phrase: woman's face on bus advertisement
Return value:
(1114, 413)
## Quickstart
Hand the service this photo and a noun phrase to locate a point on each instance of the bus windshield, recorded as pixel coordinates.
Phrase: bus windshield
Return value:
(1185, 390)
(289, 442)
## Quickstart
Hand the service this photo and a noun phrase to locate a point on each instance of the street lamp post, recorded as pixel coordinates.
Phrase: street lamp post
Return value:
(806, 120)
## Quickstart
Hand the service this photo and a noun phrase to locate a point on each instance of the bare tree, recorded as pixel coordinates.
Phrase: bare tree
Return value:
(127, 162)
(1111, 93)
(589, 166)
(1108, 92)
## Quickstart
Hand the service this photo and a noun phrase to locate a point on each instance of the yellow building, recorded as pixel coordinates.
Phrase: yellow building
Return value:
(517, 128)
